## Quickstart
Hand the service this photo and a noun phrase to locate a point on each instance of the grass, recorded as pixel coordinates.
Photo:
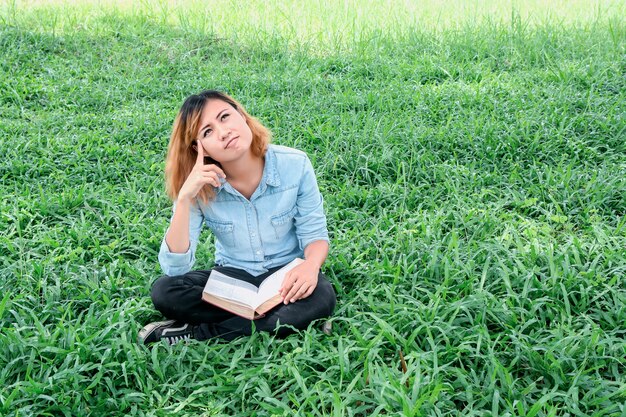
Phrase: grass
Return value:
(474, 173)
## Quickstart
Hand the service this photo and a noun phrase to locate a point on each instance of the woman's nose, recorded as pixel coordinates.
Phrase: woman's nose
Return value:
(224, 132)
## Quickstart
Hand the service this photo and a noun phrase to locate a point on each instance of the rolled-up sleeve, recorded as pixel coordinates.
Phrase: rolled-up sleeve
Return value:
(310, 220)
(174, 264)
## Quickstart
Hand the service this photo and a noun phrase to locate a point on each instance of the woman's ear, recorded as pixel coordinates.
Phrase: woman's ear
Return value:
(194, 145)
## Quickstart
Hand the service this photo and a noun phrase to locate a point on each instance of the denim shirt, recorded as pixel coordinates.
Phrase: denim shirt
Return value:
(284, 214)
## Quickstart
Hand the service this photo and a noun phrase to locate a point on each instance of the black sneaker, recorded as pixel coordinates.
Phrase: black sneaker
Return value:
(170, 331)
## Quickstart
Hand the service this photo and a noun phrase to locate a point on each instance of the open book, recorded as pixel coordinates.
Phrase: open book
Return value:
(242, 298)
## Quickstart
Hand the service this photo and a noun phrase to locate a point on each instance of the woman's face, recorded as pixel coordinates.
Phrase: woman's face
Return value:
(223, 132)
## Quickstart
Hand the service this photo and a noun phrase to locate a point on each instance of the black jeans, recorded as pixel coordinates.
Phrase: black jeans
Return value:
(180, 298)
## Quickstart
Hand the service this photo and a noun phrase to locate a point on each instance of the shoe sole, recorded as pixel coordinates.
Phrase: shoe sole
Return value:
(150, 328)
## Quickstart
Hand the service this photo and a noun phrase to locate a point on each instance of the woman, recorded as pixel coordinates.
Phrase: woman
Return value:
(264, 208)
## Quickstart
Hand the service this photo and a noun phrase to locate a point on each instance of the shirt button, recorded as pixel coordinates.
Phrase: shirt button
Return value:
(258, 252)
(252, 234)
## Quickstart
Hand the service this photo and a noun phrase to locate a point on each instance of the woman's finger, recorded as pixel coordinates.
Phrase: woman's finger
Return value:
(299, 294)
(211, 177)
(200, 150)
(308, 292)
(293, 291)
(287, 283)
(214, 168)
(209, 174)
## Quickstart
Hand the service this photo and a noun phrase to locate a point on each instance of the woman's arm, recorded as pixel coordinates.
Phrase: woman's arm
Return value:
(177, 254)
(310, 220)
(310, 223)
(173, 259)
(315, 253)
(177, 236)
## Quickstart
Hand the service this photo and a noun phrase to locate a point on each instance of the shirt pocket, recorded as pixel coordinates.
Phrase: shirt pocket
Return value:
(223, 230)
(283, 222)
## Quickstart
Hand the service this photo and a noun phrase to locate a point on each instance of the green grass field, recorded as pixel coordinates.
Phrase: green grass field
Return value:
(472, 156)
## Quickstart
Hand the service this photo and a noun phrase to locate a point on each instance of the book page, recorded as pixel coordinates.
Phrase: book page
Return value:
(269, 288)
(229, 288)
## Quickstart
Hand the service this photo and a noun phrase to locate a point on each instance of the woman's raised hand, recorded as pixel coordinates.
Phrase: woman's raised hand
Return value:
(199, 176)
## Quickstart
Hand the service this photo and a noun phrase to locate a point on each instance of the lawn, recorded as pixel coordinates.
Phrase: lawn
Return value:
(472, 156)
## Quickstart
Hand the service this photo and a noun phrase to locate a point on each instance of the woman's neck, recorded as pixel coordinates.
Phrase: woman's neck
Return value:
(242, 169)
(245, 174)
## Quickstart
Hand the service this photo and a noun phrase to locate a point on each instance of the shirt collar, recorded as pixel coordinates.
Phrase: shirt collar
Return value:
(270, 172)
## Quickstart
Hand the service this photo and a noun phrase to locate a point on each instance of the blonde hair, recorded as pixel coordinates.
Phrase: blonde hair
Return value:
(181, 157)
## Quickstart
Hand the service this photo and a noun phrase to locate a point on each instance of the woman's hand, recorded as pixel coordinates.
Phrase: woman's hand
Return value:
(300, 282)
(199, 176)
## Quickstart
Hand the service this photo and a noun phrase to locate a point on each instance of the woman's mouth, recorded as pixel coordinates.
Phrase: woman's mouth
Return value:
(231, 142)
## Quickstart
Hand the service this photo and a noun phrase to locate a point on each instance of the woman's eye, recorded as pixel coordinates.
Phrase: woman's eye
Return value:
(207, 132)
(225, 116)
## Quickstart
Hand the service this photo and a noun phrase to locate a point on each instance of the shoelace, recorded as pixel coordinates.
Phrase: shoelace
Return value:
(175, 339)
